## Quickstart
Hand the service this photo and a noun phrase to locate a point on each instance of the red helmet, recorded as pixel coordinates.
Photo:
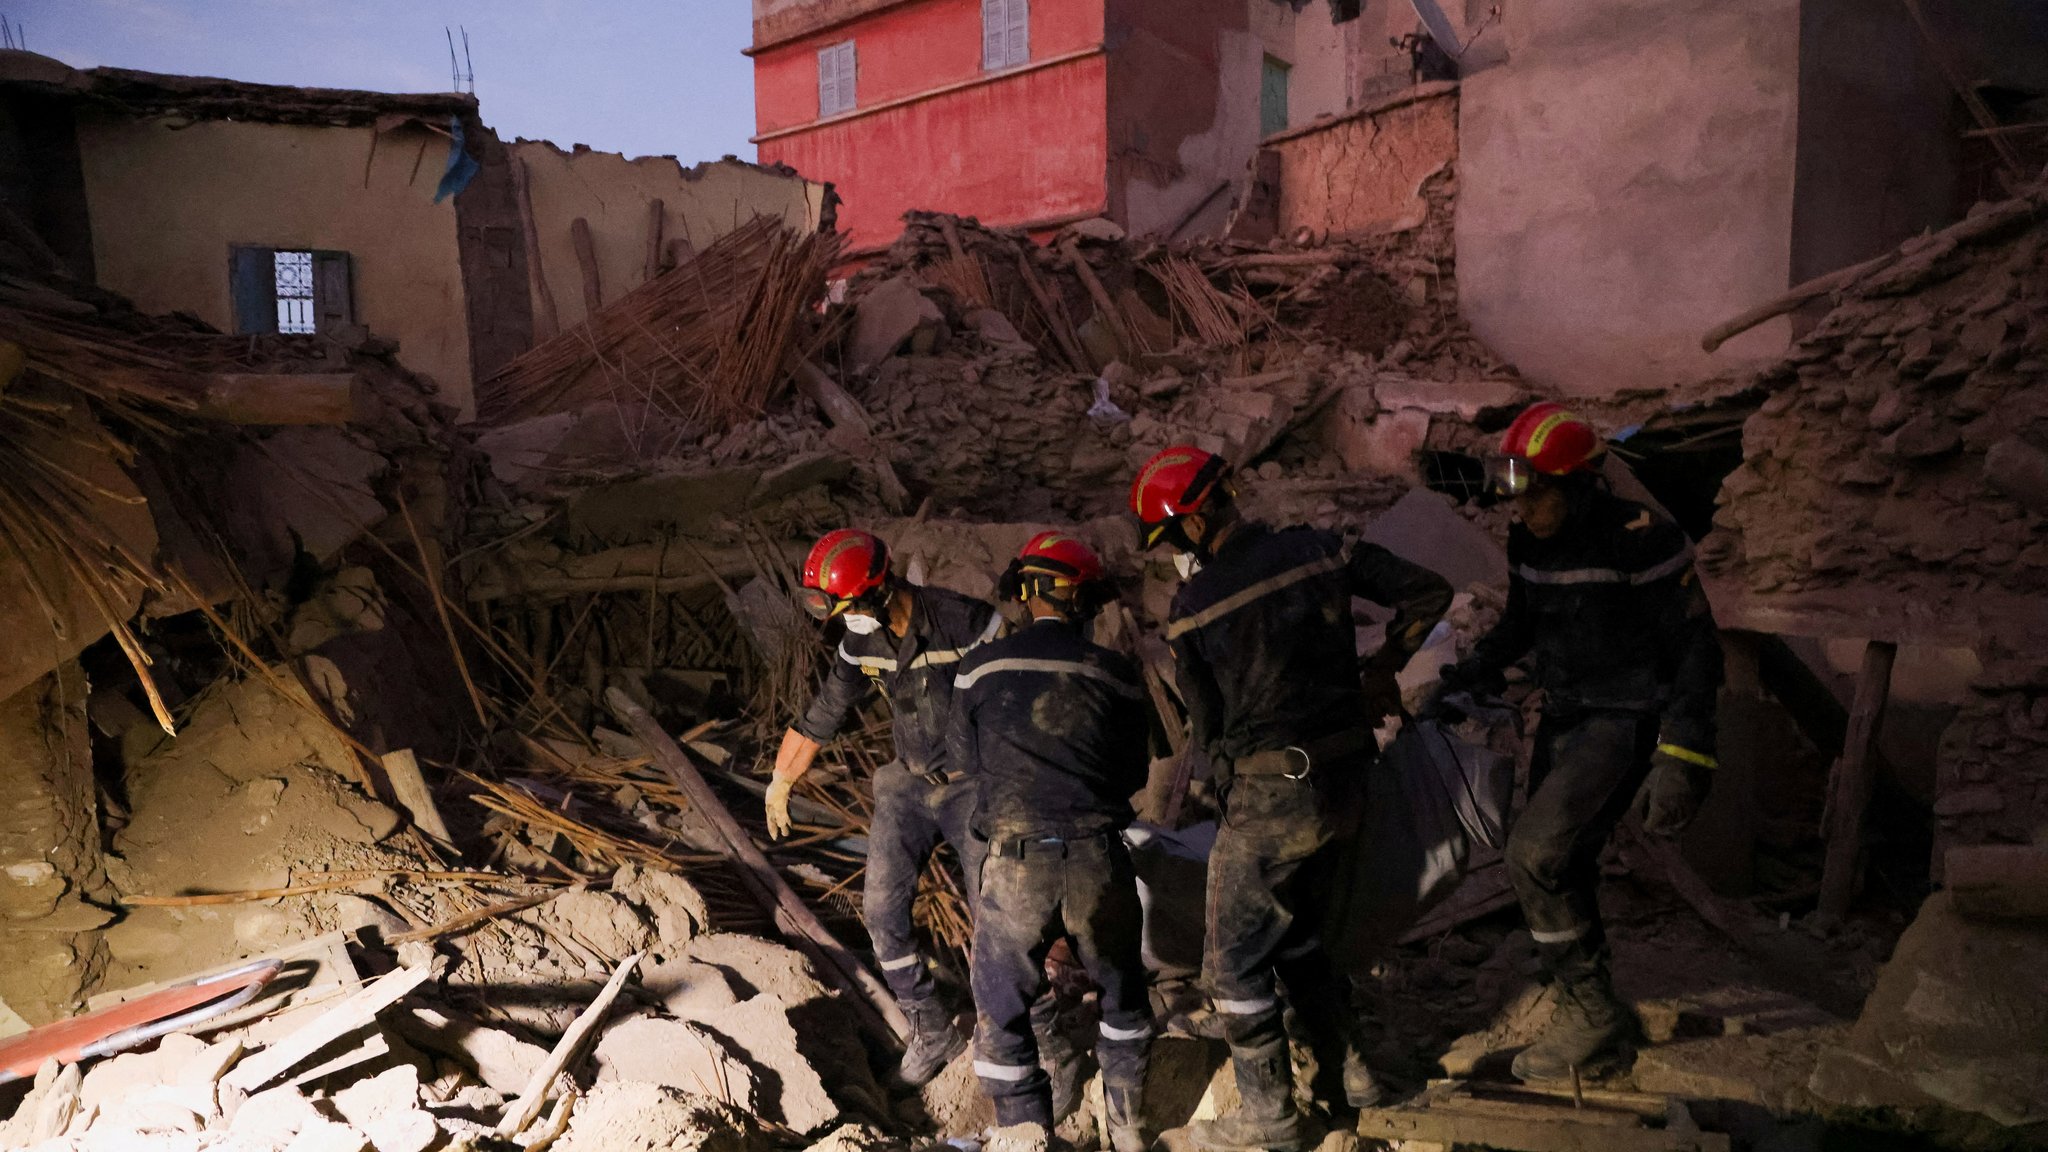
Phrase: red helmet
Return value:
(1547, 439)
(1059, 568)
(846, 567)
(1176, 482)
(1060, 556)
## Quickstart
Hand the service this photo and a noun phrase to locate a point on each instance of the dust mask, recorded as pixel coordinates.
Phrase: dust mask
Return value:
(1187, 564)
(861, 625)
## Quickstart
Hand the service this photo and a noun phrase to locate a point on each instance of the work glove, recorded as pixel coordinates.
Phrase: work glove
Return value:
(1678, 783)
(778, 807)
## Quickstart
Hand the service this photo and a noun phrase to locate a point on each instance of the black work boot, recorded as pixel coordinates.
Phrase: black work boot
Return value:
(1589, 1026)
(1028, 1108)
(1125, 1119)
(1266, 1119)
(933, 1042)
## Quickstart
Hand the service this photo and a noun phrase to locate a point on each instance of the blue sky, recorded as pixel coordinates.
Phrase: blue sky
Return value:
(643, 77)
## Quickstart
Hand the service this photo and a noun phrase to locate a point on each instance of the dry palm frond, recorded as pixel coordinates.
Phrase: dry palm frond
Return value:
(66, 387)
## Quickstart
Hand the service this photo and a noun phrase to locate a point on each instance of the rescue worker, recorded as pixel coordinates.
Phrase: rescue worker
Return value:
(1261, 630)
(906, 642)
(1602, 591)
(1052, 730)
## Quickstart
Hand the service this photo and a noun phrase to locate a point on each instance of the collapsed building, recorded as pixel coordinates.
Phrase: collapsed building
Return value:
(418, 665)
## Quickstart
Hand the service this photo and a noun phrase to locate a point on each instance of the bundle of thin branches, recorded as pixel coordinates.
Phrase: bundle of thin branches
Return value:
(965, 277)
(593, 843)
(706, 340)
(1212, 316)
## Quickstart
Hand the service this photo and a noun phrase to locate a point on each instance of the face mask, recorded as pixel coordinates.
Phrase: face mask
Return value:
(1186, 564)
(860, 625)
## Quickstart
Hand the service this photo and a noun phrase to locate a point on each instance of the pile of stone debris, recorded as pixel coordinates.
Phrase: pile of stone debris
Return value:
(503, 1035)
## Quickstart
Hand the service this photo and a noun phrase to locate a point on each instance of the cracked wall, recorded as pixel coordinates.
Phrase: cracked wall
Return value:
(1363, 173)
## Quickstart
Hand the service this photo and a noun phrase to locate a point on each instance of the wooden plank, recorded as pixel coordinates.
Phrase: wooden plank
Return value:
(871, 1000)
(410, 789)
(355, 1012)
(1541, 1130)
(279, 398)
(655, 211)
(1849, 791)
(586, 263)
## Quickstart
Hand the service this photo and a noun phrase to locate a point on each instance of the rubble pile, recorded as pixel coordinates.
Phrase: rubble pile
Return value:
(720, 1042)
(1901, 446)
(1896, 476)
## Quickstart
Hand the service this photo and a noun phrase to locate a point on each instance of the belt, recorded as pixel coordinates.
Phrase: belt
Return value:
(1035, 845)
(1298, 761)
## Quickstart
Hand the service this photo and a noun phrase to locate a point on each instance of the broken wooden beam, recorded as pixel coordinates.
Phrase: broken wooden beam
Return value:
(409, 788)
(521, 1112)
(840, 408)
(586, 263)
(1056, 319)
(1854, 774)
(1105, 307)
(548, 320)
(644, 568)
(869, 997)
(655, 210)
(279, 398)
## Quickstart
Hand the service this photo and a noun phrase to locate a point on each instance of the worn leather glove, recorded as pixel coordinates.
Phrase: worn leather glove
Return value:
(1382, 688)
(778, 807)
(1678, 783)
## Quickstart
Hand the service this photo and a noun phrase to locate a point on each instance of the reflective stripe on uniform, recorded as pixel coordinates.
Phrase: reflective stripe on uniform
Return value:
(939, 656)
(1250, 593)
(880, 663)
(1564, 937)
(1302, 949)
(900, 962)
(1025, 664)
(1247, 1007)
(1671, 567)
(1011, 1072)
(1139, 1033)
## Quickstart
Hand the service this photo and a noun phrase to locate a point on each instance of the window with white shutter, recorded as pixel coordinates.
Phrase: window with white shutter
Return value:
(1005, 33)
(835, 79)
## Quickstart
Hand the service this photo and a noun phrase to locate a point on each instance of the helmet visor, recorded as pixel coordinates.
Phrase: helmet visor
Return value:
(819, 604)
(1509, 475)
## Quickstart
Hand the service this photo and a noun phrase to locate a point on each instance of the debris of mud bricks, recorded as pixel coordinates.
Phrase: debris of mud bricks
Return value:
(1891, 485)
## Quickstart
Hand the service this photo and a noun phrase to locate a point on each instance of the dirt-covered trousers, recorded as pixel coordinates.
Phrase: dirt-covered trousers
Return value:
(1586, 770)
(912, 815)
(1276, 842)
(1086, 892)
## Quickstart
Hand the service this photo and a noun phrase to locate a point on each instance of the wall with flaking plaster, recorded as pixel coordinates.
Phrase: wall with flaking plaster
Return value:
(169, 198)
(612, 194)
